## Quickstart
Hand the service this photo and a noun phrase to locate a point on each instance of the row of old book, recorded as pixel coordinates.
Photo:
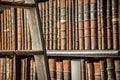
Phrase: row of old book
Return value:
(22, 68)
(84, 69)
(14, 30)
(80, 24)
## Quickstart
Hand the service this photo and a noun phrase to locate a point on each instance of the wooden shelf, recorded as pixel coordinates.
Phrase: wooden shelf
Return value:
(84, 53)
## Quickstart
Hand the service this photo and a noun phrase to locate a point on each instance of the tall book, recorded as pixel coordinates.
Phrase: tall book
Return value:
(67, 69)
(87, 24)
(117, 69)
(103, 23)
(115, 24)
(76, 45)
(59, 70)
(110, 69)
(54, 24)
(90, 71)
(99, 25)
(97, 73)
(63, 24)
(52, 68)
(83, 69)
(75, 69)
(109, 24)
(81, 23)
(50, 24)
(93, 24)
(103, 70)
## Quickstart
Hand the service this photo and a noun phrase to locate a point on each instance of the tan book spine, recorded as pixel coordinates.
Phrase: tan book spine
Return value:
(90, 71)
(52, 68)
(67, 69)
(87, 24)
(93, 24)
(117, 69)
(2, 31)
(97, 72)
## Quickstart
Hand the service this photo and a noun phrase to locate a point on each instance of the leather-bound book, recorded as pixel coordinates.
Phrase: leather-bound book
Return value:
(103, 70)
(115, 25)
(87, 32)
(117, 69)
(67, 69)
(97, 72)
(90, 71)
(103, 23)
(110, 69)
(52, 68)
(83, 69)
(109, 24)
(81, 23)
(93, 24)
(54, 25)
(50, 24)
(63, 24)
(59, 70)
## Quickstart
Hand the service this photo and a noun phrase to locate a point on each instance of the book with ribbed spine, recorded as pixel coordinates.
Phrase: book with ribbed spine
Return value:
(93, 24)
(117, 69)
(97, 72)
(81, 23)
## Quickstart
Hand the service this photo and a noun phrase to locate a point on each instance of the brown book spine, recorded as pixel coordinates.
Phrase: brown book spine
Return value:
(93, 22)
(117, 69)
(63, 24)
(87, 24)
(76, 25)
(59, 70)
(83, 69)
(1, 67)
(52, 68)
(10, 28)
(81, 23)
(58, 26)
(103, 23)
(67, 69)
(50, 24)
(2, 31)
(70, 24)
(99, 26)
(103, 70)
(97, 72)
(54, 25)
(90, 71)
(110, 69)
(47, 26)
(109, 24)
(115, 24)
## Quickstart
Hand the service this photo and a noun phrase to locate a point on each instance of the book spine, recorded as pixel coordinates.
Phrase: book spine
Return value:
(67, 69)
(81, 23)
(87, 24)
(52, 68)
(76, 25)
(109, 24)
(70, 24)
(47, 26)
(99, 26)
(103, 23)
(115, 24)
(103, 70)
(54, 25)
(93, 22)
(97, 73)
(2, 29)
(90, 71)
(83, 70)
(110, 69)
(117, 69)
(58, 26)
(63, 24)
(59, 70)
